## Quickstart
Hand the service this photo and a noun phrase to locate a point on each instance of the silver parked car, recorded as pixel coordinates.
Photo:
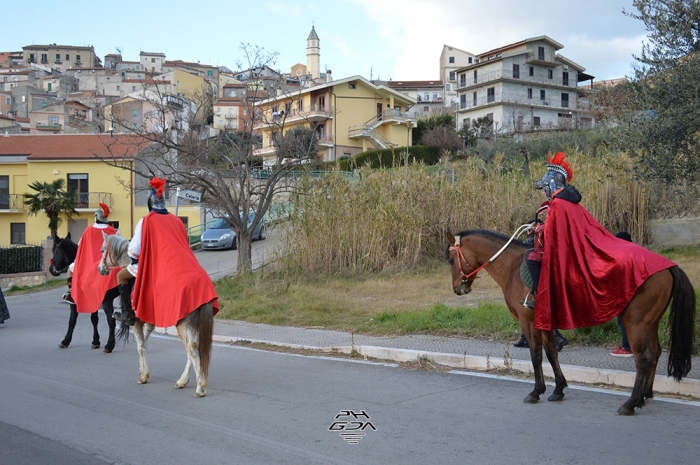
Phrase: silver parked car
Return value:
(220, 235)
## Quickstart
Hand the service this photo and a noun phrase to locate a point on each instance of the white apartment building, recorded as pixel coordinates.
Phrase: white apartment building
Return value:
(522, 87)
(452, 59)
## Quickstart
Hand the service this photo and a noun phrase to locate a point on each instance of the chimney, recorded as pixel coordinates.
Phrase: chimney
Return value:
(329, 76)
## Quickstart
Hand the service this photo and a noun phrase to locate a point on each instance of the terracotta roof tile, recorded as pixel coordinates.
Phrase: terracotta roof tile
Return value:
(73, 146)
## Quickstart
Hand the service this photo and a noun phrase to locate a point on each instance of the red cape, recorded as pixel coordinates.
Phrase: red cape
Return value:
(170, 283)
(90, 287)
(588, 275)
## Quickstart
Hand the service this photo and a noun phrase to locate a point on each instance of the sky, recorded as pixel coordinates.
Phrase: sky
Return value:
(377, 39)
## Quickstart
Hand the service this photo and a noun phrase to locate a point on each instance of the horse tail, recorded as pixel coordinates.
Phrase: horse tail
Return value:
(123, 333)
(682, 322)
(206, 334)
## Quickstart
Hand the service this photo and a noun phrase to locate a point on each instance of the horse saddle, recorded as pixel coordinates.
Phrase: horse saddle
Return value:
(525, 275)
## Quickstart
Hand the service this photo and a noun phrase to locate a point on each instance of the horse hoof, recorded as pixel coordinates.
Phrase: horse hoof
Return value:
(62, 346)
(95, 346)
(556, 397)
(107, 350)
(624, 411)
(530, 399)
(199, 394)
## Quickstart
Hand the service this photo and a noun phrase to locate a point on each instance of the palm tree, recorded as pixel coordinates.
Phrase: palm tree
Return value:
(54, 200)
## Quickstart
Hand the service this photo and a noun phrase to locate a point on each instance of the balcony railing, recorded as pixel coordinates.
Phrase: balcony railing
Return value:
(48, 126)
(515, 99)
(11, 202)
(522, 76)
(93, 199)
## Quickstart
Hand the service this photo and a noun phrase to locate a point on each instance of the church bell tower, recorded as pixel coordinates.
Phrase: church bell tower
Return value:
(313, 54)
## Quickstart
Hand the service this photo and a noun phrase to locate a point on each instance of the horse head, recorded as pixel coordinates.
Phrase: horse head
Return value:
(114, 253)
(64, 252)
(463, 264)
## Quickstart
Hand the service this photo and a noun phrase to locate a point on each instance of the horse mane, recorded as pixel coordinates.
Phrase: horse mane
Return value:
(485, 232)
(119, 246)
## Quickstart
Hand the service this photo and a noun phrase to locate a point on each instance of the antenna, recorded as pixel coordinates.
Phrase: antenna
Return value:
(370, 74)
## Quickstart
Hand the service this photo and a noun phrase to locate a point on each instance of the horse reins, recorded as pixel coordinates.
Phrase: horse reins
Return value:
(461, 258)
(104, 258)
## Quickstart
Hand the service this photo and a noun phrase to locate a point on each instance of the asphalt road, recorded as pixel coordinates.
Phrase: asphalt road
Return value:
(81, 406)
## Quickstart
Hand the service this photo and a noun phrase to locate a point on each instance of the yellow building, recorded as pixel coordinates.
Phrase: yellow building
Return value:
(80, 160)
(350, 116)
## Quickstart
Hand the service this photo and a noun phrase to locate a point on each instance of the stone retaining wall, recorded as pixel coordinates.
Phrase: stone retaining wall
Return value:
(677, 232)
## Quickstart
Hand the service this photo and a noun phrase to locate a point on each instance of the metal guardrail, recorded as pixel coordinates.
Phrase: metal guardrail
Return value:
(94, 199)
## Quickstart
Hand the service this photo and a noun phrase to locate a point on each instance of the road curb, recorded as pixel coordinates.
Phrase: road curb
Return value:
(573, 374)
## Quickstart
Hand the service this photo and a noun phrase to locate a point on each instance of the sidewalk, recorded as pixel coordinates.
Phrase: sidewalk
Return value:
(584, 365)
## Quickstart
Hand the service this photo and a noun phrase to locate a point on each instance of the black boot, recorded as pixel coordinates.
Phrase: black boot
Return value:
(560, 340)
(126, 315)
(522, 342)
(67, 296)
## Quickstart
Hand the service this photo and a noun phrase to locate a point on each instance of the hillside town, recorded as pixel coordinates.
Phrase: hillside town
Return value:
(60, 103)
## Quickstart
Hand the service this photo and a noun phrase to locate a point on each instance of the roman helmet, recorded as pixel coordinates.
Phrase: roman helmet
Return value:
(558, 173)
(156, 200)
(102, 213)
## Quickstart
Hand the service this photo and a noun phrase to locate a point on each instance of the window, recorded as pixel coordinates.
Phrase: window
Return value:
(452, 75)
(540, 53)
(58, 57)
(24, 98)
(300, 105)
(474, 76)
(18, 233)
(119, 88)
(426, 96)
(536, 121)
(452, 59)
(31, 58)
(516, 71)
(77, 58)
(435, 96)
(529, 92)
(49, 88)
(4, 192)
(133, 88)
(135, 112)
(44, 58)
(79, 183)
(448, 87)
(53, 120)
(470, 60)
(466, 122)
(462, 80)
(462, 101)
(426, 109)
(491, 94)
(352, 85)
(474, 98)
(565, 78)
(542, 94)
(210, 73)
(8, 100)
(565, 100)
(67, 57)
(134, 126)
(550, 73)
(153, 60)
(532, 70)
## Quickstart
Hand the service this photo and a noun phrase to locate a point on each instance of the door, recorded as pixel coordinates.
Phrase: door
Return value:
(76, 228)
(379, 111)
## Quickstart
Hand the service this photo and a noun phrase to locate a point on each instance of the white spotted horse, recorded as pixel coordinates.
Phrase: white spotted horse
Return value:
(64, 252)
(471, 251)
(195, 330)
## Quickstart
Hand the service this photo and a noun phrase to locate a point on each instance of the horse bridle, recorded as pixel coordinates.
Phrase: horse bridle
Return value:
(103, 262)
(462, 260)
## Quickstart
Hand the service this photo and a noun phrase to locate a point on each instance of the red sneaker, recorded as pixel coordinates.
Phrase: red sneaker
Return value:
(620, 352)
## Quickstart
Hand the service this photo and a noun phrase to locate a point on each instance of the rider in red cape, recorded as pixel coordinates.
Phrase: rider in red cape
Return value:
(170, 282)
(588, 275)
(90, 286)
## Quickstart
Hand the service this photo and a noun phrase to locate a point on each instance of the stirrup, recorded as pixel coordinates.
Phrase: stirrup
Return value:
(529, 304)
(68, 297)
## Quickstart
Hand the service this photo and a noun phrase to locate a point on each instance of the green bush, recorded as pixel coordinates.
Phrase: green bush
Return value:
(389, 158)
(20, 259)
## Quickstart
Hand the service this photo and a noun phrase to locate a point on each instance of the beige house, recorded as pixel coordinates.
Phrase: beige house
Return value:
(349, 116)
(71, 117)
(60, 57)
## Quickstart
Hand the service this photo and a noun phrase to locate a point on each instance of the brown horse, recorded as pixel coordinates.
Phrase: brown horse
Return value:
(470, 251)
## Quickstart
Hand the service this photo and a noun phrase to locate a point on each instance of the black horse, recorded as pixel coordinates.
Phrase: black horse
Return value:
(64, 252)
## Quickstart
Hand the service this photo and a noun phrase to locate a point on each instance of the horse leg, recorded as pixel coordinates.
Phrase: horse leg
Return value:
(646, 356)
(108, 307)
(534, 340)
(71, 326)
(185, 337)
(95, 319)
(550, 349)
(141, 342)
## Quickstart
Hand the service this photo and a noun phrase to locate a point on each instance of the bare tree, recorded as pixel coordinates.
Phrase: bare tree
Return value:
(224, 168)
